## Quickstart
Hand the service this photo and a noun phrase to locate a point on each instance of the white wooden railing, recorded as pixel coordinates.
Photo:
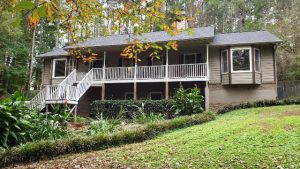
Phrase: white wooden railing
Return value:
(198, 70)
(60, 92)
(188, 71)
(119, 73)
(84, 84)
(70, 79)
(98, 74)
(38, 102)
(151, 72)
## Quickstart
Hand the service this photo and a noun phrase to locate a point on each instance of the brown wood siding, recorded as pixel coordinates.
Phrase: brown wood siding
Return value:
(257, 78)
(214, 65)
(46, 74)
(225, 79)
(267, 64)
(241, 78)
(240, 93)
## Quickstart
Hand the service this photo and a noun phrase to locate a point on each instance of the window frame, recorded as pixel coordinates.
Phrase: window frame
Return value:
(259, 60)
(250, 59)
(54, 68)
(222, 65)
(195, 56)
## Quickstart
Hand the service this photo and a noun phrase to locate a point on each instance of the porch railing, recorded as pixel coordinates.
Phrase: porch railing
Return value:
(151, 72)
(119, 73)
(188, 70)
(198, 70)
(59, 92)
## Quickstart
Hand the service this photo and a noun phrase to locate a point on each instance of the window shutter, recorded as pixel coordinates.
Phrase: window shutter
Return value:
(181, 59)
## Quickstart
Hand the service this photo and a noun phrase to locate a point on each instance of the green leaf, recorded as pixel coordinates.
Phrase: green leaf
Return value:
(42, 12)
(25, 5)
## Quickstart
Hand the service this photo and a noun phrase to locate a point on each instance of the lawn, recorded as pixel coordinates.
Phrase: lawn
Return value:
(249, 138)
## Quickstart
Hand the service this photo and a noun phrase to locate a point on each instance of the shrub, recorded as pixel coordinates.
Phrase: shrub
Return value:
(13, 126)
(45, 149)
(188, 101)
(19, 124)
(259, 103)
(110, 108)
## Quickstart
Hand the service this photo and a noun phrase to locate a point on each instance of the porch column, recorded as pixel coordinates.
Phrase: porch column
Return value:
(134, 91)
(206, 97)
(135, 77)
(103, 76)
(104, 65)
(207, 60)
(167, 76)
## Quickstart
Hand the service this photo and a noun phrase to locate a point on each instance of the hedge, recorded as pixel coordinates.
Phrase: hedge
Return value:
(46, 149)
(259, 103)
(111, 108)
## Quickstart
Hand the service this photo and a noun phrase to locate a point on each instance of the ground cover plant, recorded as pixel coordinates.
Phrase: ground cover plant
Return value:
(267, 137)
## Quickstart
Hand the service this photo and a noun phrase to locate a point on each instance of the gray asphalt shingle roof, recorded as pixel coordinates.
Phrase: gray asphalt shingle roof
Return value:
(161, 36)
(245, 38)
(198, 33)
(55, 52)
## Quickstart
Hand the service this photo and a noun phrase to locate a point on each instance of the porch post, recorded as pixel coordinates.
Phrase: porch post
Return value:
(104, 65)
(134, 91)
(103, 76)
(208, 77)
(206, 97)
(207, 60)
(167, 74)
(135, 77)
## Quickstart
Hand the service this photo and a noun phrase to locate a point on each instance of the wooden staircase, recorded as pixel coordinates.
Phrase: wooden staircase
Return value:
(68, 92)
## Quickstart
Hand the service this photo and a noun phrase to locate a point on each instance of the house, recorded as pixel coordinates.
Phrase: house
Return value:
(228, 68)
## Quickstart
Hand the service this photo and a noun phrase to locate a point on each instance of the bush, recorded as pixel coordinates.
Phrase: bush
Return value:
(19, 124)
(259, 103)
(45, 149)
(188, 101)
(111, 108)
(13, 126)
(49, 125)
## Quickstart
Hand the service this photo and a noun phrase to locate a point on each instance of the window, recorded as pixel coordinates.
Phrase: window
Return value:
(241, 59)
(190, 58)
(59, 68)
(257, 59)
(128, 95)
(156, 96)
(224, 61)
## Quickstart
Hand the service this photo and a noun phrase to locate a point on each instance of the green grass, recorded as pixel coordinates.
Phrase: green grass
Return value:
(250, 138)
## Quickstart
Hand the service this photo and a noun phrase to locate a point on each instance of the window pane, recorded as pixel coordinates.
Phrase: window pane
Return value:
(60, 68)
(190, 59)
(257, 60)
(224, 62)
(241, 59)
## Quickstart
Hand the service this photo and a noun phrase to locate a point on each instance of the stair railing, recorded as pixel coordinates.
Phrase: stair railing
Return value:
(84, 84)
(39, 100)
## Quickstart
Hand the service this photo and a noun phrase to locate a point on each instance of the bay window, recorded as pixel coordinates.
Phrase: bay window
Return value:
(241, 60)
(59, 68)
